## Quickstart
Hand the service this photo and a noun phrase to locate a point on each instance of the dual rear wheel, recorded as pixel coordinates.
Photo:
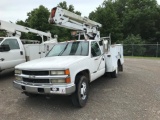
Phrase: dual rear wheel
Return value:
(114, 74)
(119, 67)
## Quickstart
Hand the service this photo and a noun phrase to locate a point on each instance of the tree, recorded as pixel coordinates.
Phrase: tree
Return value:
(133, 39)
(37, 19)
(70, 8)
(2, 33)
(139, 17)
(23, 35)
(125, 17)
(133, 45)
(106, 15)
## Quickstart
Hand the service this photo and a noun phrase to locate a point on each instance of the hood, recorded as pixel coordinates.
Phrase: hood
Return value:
(48, 63)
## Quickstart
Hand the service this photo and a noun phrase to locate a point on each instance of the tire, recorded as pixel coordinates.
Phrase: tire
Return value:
(114, 74)
(79, 98)
(121, 68)
(30, 94)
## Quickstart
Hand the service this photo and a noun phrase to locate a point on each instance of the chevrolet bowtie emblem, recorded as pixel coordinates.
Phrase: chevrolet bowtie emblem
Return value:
(31, 76)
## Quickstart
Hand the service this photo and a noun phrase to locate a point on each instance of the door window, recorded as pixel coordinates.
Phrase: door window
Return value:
(95, 50)
(13, 44)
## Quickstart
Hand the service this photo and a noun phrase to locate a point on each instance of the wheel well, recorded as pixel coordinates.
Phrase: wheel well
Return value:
(85, 73)
(120, 66)
(119, 62)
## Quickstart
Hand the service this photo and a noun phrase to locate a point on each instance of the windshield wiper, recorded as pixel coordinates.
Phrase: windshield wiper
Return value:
(63, 50)
(81, 49)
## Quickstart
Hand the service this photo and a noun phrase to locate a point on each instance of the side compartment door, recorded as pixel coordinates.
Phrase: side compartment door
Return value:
(97, 61)
(9, 59)
(32, 51)
(42, 50)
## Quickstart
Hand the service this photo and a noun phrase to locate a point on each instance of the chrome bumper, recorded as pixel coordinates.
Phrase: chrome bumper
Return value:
(44, 89)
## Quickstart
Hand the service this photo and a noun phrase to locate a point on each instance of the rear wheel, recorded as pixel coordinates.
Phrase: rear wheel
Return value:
(79, 98)
(121, 68)
(114, 74)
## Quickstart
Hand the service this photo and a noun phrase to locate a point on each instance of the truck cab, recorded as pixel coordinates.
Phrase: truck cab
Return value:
(11, 52)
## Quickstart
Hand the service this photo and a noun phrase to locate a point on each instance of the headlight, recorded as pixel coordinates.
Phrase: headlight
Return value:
(58, 81)
(66, 80)
(18, 78)
(60, 72)
(18, 71)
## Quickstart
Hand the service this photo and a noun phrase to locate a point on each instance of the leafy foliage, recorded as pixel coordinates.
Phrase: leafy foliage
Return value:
(125, 17)
(106, 15)
(133, 39)
(38, 19)
(131, 46)
(69, 8)
(132, 21)
(2, 33)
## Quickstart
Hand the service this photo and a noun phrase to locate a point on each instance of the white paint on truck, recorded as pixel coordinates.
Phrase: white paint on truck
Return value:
(70, 56)
(19, 53)
(70, 66)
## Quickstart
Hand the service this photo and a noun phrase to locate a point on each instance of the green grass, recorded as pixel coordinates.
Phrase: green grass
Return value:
(138, 57)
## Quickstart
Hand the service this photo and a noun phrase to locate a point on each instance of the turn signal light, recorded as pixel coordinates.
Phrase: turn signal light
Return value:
(68, 80)
(67, 72)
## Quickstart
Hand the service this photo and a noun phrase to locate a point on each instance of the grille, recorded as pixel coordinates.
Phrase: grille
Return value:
(36, 80)
(35, 72)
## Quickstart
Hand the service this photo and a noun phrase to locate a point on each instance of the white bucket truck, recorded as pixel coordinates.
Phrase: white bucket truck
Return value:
(70, 66)
(13, 52)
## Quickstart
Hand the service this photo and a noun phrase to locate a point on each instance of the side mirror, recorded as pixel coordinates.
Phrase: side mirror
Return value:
(4, 48)
(105, 45)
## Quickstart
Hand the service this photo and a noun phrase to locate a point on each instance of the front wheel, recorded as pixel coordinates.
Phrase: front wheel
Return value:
(79, 98)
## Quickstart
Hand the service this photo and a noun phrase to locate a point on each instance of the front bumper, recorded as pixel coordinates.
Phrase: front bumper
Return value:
(44, 89)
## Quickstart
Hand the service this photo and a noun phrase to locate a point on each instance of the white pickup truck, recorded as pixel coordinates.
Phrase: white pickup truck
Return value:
(13, 52)
(68, 69)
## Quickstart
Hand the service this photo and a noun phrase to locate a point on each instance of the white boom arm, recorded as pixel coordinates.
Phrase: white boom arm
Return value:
(67, 19)
(15, 30)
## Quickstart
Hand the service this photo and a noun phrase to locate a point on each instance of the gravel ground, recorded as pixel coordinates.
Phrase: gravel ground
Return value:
(134, 95)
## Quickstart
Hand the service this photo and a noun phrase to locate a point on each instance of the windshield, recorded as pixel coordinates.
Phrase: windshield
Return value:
(70, 48)
(1, 39)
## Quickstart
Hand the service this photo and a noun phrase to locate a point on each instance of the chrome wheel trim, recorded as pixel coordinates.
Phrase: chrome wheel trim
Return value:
(83, 90)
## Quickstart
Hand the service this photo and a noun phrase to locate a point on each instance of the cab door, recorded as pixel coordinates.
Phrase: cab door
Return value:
(97, 61)
(9, 59)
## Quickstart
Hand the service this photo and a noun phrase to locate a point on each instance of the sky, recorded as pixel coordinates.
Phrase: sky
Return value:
(13, 10)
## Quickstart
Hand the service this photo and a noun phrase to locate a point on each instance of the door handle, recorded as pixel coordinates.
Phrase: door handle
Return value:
(2, 59)
(21, 52)
(96, 58)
